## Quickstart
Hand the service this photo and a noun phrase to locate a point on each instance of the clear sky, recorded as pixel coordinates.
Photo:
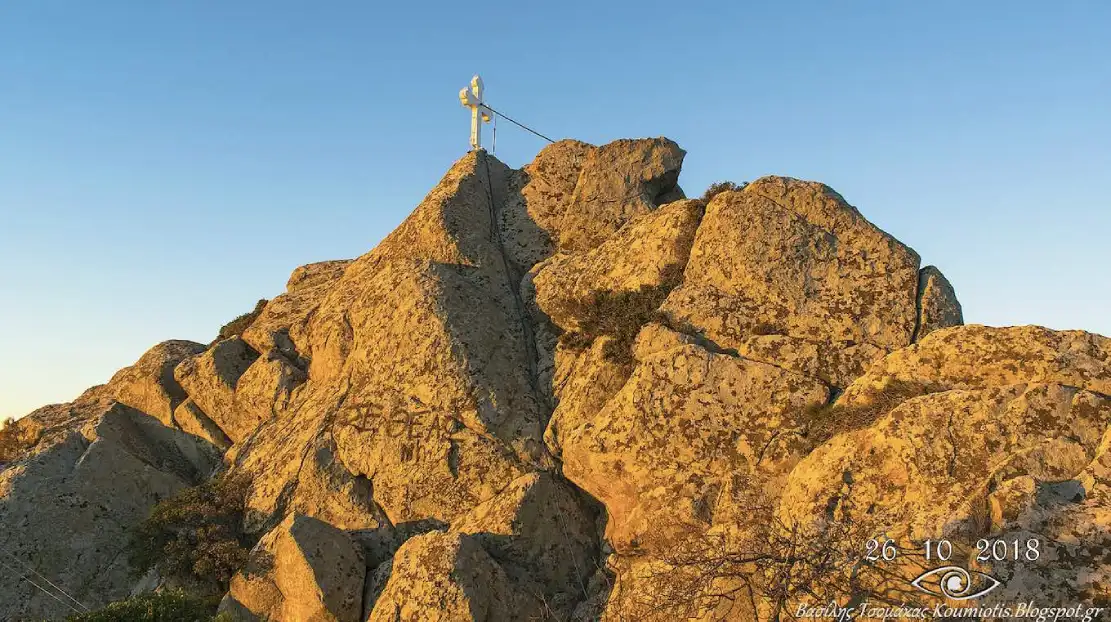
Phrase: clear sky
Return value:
(165, 164)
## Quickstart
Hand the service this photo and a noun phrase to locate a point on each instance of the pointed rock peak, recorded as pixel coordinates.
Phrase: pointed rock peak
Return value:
(938, 306)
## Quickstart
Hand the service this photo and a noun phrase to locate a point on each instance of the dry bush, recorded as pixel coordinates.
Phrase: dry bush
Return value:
(164, 606)
(764, 571)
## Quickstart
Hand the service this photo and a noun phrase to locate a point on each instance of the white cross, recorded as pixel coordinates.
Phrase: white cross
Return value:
(472, 98)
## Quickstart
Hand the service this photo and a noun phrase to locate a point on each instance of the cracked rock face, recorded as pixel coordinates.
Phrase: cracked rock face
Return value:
(545, 380)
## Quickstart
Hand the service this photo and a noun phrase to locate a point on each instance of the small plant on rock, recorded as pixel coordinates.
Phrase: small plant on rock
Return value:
(719, 187)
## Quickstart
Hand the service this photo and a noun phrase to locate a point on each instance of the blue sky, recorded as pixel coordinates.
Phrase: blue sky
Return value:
(165, 164)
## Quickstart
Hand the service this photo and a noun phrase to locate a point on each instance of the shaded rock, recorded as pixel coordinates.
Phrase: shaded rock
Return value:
(619, 180)
(304, 569)
(938, 306)
(542, 534)
(210, 380)
(69, 505)
(149, 384)
(792, 258)
(189, 418)
(448, 577)
(686, 424)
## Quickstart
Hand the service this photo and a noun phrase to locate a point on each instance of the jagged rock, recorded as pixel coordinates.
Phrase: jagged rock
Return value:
(69, 504)
(420, 367)
(792, 258)
(648, 252)
(283, 322)
(149, 384)
(189, 418)
(938, 306)
(448, 577)
(619, 180)
(304, 569)
(210, 380)
(542, 534)
(686, 423)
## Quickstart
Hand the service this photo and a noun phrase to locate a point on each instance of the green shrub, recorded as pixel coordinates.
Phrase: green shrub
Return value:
(719, 187)
(236, 327)
(196, 536)
(165, 606)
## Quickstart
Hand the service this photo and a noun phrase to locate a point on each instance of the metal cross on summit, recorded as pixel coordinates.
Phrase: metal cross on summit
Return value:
(471, 97)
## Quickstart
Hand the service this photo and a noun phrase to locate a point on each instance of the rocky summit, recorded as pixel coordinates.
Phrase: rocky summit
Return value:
(568, 392)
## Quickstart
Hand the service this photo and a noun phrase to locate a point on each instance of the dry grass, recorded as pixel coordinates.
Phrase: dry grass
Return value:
(824, 421)
(618, 314)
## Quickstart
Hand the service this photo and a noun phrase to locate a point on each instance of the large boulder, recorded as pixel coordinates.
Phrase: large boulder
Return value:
(265, 388)
(149, 384)
(687, 425)
(447, 577)
(977, 357)
(282, 324)
(189, 418)
(543, 534)
(304, 569)
(649, 252)
(619, 181)
(791, 260)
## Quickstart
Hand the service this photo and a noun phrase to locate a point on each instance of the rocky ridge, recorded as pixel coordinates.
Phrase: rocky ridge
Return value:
(548, 389)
